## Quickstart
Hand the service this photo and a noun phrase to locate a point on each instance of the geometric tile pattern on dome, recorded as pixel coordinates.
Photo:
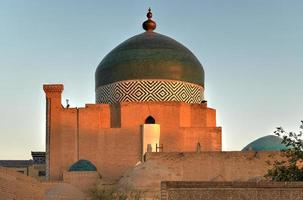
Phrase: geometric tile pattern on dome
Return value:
(149, 90)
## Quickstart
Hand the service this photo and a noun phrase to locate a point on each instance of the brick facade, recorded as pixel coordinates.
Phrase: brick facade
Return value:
(183, 190)
(109, 135)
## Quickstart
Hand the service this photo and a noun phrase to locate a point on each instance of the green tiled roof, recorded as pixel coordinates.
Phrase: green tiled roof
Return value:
(83, 165)
(266, 143)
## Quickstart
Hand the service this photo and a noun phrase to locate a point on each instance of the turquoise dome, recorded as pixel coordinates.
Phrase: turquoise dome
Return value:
(83, 165)
(266, 143)
(149, 55)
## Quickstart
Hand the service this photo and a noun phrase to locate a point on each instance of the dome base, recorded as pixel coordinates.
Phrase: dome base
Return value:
(149, 90)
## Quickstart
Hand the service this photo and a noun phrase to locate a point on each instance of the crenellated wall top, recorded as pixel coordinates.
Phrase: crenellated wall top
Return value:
(53, 88)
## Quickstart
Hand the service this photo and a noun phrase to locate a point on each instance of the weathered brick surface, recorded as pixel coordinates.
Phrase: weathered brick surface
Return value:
(81, 180)
(15, 186)
(110, 135)
(183, 190)
(216, 166)
(62, 191)
(194, 166)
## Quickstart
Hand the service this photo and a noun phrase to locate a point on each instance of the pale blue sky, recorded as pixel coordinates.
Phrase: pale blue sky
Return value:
(252, 53)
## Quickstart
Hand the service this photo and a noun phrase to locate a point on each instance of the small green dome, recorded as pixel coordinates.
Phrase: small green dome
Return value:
(149, 55)
(266, 143)
(82, 165)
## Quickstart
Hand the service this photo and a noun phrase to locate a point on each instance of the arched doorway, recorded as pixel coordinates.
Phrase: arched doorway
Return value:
(150, 120)
(150, 135)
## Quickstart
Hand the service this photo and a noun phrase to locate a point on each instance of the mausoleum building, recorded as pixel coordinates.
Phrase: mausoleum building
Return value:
(149, 96)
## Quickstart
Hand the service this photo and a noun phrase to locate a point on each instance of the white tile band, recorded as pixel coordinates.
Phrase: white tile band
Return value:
(149, 90)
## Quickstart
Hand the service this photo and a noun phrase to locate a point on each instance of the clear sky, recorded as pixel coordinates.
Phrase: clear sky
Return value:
(252, 53)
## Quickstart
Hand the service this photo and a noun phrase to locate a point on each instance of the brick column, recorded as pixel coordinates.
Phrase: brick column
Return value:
(53, 101)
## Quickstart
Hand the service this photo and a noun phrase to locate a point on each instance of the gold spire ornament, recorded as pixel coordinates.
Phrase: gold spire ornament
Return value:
(149, 24)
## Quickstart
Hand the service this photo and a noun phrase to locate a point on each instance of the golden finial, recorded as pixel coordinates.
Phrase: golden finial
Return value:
(149, 24)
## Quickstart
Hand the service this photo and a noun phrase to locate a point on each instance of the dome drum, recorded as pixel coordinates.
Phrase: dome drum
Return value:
(149, 90)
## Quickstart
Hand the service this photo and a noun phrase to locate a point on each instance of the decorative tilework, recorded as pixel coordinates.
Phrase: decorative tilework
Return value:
(149, 90)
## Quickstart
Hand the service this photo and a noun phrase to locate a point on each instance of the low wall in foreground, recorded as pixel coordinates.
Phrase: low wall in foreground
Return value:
(183, 190)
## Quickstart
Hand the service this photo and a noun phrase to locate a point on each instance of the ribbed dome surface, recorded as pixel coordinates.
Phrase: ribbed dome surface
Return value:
(266, 143)
(149, 55)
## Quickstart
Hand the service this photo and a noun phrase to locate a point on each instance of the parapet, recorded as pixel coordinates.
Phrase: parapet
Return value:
(53, 88)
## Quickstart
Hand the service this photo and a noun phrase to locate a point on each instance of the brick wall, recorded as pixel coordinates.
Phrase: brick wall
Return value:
(110, 135)
(216, 166)
(16, 186)
(182, 190)
(198, 166)
(81, 180)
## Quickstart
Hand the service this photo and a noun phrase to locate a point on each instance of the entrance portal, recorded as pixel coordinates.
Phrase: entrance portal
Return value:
(150, 135)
